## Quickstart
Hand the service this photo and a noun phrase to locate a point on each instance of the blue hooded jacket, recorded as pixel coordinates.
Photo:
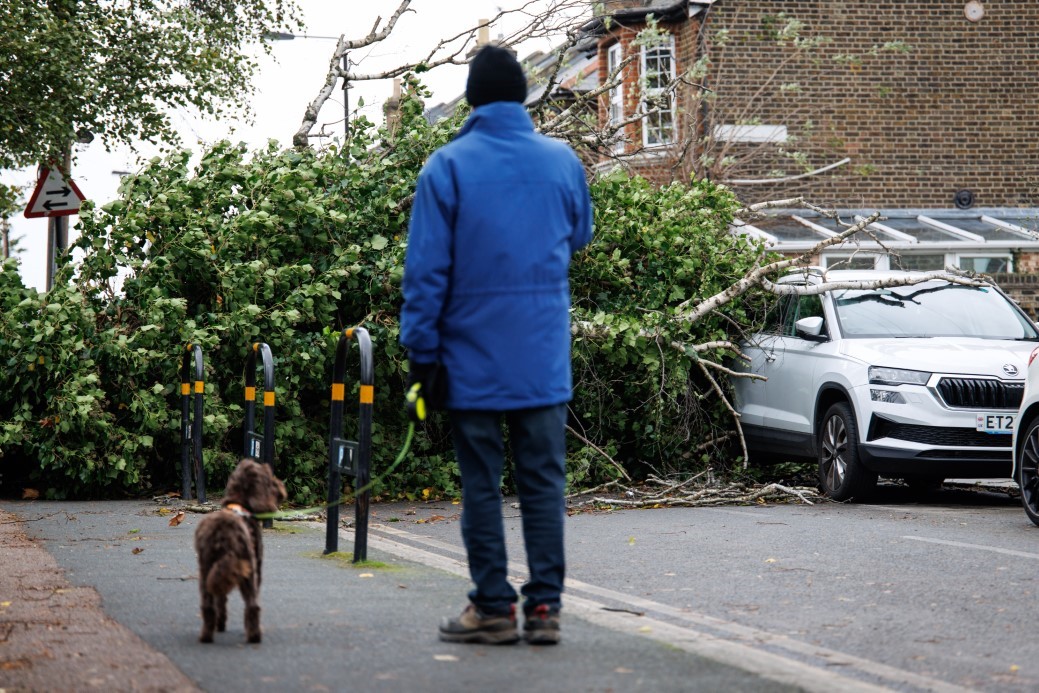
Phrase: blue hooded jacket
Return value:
(497, 214)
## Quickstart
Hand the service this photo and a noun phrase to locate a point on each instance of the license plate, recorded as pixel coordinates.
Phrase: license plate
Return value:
(996, 423)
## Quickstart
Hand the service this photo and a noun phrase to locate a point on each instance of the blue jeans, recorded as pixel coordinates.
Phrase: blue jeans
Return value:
(538, 443)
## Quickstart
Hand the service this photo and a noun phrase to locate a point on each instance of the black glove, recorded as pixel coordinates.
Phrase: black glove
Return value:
(432, 379)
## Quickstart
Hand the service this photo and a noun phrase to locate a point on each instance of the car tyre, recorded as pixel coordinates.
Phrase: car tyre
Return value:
(841, 473)
(1028, 471)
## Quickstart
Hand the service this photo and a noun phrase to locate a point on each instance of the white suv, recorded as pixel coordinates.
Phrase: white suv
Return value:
(1026, 441)
(918, 382)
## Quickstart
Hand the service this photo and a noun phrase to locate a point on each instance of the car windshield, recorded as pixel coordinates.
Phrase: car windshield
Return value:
(931, 309)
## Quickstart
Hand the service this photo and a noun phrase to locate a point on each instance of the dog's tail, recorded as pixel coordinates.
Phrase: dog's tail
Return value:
(226, 573)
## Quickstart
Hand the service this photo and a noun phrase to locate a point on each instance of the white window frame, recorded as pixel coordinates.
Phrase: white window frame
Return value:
(829, 260)
(985, 256)
(615, 109)
(881, 261)
(666, 138)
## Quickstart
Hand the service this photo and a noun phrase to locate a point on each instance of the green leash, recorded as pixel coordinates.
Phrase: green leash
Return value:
(400, 458)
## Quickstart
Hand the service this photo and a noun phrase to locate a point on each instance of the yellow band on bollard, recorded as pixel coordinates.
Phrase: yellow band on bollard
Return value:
(338, 392)
(367, 394)
(250, 394)
(268, 399)
(200, 386)
(185, 389)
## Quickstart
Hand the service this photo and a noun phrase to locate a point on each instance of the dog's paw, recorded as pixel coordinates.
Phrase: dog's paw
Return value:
(255, 638)
(205, 637)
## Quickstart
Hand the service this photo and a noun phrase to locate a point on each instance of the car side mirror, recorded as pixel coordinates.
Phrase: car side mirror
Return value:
(810, 329)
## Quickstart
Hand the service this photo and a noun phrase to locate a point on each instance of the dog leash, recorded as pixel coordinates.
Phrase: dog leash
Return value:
(415, 405)
(347, 498)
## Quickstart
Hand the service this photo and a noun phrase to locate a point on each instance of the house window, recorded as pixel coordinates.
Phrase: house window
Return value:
(918, 263)
(986, 264)
(658, 71)
(614, 55)
(856, 261)
(613, 60)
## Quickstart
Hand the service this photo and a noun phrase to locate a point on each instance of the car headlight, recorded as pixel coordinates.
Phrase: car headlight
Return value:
(879, 375)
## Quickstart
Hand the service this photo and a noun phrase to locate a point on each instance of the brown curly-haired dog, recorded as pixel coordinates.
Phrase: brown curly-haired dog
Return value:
(230, 549)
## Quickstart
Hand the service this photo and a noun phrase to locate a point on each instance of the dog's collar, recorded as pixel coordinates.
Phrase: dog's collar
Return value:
(238, 510)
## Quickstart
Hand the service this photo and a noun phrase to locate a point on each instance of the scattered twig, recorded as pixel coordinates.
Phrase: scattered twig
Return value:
(619, 467)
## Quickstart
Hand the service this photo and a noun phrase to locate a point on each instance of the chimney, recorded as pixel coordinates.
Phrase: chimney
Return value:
(483, 37)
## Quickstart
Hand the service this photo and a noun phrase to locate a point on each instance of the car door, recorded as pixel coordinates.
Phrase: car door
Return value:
(751, 393)
(790, 395)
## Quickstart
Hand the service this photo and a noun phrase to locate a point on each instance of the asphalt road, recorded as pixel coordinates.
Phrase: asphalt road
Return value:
(897, 595)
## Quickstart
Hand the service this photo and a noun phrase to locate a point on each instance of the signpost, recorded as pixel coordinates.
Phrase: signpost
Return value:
(55, 196)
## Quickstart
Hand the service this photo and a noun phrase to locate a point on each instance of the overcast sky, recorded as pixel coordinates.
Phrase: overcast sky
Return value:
(287, 82)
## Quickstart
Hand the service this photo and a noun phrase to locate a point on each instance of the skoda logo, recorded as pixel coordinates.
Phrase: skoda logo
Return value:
(1010, 369)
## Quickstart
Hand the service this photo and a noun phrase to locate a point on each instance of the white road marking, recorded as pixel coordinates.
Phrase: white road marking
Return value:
(738, 646)
(977, 547)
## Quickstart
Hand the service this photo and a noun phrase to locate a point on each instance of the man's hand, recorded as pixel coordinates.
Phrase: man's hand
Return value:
(432, 381)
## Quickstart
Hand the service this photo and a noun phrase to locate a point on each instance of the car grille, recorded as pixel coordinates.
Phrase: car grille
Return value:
(980, 393)
(937, 435)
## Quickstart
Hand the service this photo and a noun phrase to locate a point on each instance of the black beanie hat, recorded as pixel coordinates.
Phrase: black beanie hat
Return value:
(495, 75)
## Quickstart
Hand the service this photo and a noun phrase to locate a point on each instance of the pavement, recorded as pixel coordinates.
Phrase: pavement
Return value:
(104, 596)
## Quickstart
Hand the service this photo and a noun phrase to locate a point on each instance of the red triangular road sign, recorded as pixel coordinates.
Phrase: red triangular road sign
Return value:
(54, 196)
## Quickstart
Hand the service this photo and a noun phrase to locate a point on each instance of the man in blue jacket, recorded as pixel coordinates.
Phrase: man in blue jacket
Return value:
(497, 215)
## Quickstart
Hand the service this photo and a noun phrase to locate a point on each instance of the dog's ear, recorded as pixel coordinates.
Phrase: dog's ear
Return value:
(240, 483)
(279, 489)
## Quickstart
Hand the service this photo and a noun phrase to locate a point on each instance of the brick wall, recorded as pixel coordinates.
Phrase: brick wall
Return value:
(661, 165)
(959, 110)
(1023, 288)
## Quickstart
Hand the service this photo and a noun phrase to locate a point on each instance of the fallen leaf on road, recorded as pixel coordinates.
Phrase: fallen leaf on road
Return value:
(366, 575)
(177, 519)
(30, 494)
(645, 629)
(137, 550)
(5, 604)
(623, 670)
(631, 541)
(770, 560)
(445, 658)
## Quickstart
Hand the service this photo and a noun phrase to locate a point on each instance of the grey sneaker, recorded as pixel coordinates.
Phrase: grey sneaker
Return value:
(541, 625)
(474, 626)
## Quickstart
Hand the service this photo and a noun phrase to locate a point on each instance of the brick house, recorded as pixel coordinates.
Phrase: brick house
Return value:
(924, 109)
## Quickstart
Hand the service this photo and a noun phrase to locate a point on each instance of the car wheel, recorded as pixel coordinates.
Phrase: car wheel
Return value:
(841, 474)
(1028, 471)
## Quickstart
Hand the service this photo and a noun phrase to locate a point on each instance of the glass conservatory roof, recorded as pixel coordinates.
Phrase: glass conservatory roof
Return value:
(918, 229)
